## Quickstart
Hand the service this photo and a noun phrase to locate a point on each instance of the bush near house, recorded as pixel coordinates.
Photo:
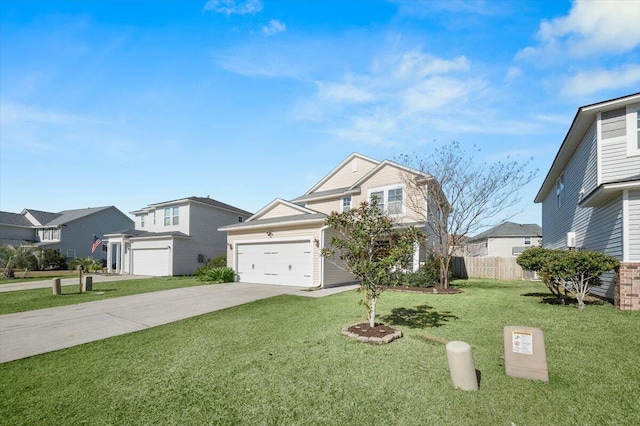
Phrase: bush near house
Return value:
(428, 275)
(568, 272)
(216, 271)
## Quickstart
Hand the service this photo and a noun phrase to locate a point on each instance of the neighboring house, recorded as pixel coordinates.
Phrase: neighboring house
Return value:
(70, 231)
(508, 239)
(281, 243)
(591, 195)
(172, 238)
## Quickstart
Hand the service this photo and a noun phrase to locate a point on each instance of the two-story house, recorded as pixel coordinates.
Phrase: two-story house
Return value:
(70, 231)
(591, 194)
(173, 237)
(281, 243)
(509, 239)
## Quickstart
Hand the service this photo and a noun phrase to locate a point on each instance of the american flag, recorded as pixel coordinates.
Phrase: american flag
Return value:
(96, 243)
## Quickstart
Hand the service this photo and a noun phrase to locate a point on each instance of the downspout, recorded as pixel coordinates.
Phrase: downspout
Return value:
(324, 228)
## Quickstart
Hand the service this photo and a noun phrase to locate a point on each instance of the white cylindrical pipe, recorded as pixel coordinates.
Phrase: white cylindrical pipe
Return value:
(463, 372)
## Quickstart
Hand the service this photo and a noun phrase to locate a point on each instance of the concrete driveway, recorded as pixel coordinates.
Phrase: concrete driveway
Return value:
(35, 332)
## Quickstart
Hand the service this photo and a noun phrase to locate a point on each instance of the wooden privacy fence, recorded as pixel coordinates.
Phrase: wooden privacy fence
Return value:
(500, 268)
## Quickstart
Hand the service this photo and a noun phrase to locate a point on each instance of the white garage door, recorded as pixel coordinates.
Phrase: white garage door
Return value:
(284, 263)
(154, 262)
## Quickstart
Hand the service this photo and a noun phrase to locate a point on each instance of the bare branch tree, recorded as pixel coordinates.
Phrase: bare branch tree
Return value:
(462, 196)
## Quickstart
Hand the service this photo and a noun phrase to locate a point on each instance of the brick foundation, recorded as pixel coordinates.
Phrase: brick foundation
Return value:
(627, 287)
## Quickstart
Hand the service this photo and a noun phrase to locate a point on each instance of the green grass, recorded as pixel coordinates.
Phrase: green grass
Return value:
(283, 361)
(38, 276)
(27, 300)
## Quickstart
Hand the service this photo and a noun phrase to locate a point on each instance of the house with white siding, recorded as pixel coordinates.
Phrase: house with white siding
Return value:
(172, 238)
(591, 195)
(281, 243)
(71, 232)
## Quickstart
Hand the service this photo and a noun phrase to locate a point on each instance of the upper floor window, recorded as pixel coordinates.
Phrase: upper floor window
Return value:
(389, 199)
(47, 234)
(154, 217)
(527, 241)
(142, 220)
(240, 219)
(633, 130)
(560, 190)
(171, 216)
(346, 204)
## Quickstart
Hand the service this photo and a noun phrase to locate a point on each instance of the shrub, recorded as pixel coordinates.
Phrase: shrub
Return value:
(53, 260)
(426, 276)
(217, 275)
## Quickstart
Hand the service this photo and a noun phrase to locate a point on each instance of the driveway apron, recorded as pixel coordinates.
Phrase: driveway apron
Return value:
(30, 333)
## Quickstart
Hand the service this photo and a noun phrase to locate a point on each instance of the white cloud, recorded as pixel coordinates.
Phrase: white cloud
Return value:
(14, 113)
(274, 27)
(513, 73)
(344, 92)
(230, 7)
(587, 82)
(591, 27)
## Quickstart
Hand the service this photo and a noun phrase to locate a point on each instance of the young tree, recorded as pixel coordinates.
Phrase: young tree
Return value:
(573, 272)
(462, 196)
(371, 248)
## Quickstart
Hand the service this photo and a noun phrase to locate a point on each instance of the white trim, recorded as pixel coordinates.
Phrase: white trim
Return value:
(625, 226)
(633, 149)
(385, 201)
(304, 239)
(273, 204)
(342, 202)
(598, 149)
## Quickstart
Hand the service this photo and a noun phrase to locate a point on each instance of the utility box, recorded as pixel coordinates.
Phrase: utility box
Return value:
(524, 353)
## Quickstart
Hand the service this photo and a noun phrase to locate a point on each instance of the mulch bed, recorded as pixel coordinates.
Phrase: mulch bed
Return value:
(426, 290)
(379, 334)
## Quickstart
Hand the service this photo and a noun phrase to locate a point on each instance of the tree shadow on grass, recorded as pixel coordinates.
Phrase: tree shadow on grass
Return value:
(422, 316)
(552, 300)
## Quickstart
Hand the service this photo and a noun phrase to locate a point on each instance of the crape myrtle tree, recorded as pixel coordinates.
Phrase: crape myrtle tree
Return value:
(568, 272)
(372, 248)
(463, 195)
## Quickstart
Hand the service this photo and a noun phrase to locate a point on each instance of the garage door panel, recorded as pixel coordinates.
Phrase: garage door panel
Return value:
(286, 263)
(153, 262)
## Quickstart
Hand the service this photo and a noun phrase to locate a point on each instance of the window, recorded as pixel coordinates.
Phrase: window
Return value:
(154, 217)
(638, 129)
(171, 216)
(560, 190)
(394, 201)
(527, 241)
(239, 218)
(48, 234)
(346, 204)
(71, 253)
(389, 199)
(142, 221)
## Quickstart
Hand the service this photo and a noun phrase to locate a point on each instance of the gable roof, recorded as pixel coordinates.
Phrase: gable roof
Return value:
(581, 123)
(338, 168)
(67, 216)
(41, 216)
(510, 229)
(383, 165)
(280, 201)
(14, 219)
(202, 200)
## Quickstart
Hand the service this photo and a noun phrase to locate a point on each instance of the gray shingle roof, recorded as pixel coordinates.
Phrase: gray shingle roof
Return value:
(138, 233)
(41, 216)
(67, 216)
(15, 243)
(319, 194)
(14, 219)
(276, 220)
(510, 229)
(216, 203)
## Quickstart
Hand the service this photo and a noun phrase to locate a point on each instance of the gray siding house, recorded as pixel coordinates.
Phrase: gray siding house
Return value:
(508, 239)
(70, 231)
(173, 237)
(591, 195)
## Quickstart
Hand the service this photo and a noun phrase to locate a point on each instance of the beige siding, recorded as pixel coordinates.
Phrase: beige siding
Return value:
(334, 272)
(348, 174)
(503, 247)
(280, 210)
(388, 176)
(328, 206)
(308, 233)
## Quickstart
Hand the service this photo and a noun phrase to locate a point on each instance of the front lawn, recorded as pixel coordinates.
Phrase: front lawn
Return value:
(28, 300)
(283, 361)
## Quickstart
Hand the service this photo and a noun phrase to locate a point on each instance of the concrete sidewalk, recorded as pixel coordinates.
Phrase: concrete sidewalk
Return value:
(97, 278)
(25, 334)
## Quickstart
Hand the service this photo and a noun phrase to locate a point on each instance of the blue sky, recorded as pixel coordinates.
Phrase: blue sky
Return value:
(131, 103)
